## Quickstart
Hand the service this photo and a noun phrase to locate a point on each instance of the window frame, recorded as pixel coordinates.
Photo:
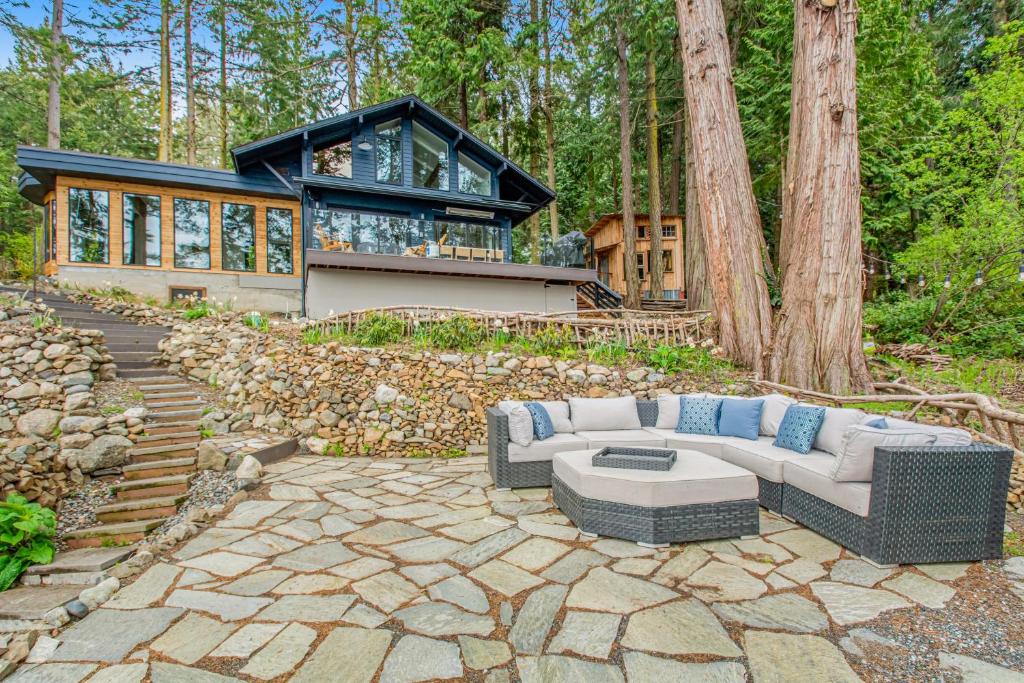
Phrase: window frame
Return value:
(209, 231)
(53, 229)
(159, 229)
(446, 186)
(459, 156)
(351, 158)
(224, 242)
(400, 139)
(290, 242)
(106, 244)
(668, 230)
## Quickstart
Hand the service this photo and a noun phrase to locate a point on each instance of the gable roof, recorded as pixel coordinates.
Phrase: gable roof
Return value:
(251, 153)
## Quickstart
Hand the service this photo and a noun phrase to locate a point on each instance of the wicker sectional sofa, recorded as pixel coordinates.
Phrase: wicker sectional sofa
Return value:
(938, 503)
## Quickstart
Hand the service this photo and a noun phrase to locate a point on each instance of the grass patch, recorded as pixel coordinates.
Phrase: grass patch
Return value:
(451, 453)
(112, 409)
(1013, 544)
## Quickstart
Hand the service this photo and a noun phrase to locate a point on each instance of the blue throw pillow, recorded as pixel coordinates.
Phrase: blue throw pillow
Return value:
(877, 423)
(698, 415)
(740, 417)
(799, 428)
(542, 427)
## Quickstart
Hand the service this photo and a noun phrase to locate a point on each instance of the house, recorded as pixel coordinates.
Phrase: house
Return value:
(393, 204)
(606, 253)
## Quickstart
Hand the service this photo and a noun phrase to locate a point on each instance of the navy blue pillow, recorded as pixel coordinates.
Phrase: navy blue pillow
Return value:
(799, 428)
(698, 415)
(877, 423)
(740, 417)
(542, 427)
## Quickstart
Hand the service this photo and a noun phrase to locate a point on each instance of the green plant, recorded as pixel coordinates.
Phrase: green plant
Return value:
(449, 453)
(112, 409)
(417, 453)
(43, 320)
(195, 311)
(26, 537)
(607, 352)
(458, 332)
(674, 359)
(367, 448)
(551, 340)
(1013, 544)
(379, 329)
(335, 450)
(256, 321)
(206, 433)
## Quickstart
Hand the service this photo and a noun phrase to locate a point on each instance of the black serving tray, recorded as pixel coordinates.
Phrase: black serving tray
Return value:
(660, 459)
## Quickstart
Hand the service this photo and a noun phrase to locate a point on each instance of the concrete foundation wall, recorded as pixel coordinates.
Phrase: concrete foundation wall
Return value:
(345, 290)
(245, 291)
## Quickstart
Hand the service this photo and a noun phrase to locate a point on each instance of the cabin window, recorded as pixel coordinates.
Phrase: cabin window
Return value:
(89, 225)
(641, 232)
(279, 241)
(53, 230)
(389, 152)
(238, 237)
(334, 160)
(141, 230)
(473, 177)
(46, 231)
(668, 230)
(191, 233)
(667, 260)
(640, 270)
(429, 159)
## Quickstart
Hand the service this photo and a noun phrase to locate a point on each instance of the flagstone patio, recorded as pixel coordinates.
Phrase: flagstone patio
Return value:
(412, 570)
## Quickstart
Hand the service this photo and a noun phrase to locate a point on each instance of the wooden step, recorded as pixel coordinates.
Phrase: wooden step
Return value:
(140, 509)
(143, 471)
(156, 487)
(111, 534)
(171, 406)
(175, 415)
(169, 397)
(156, 379)
(161, 428)
(161, 388)
(169, 439)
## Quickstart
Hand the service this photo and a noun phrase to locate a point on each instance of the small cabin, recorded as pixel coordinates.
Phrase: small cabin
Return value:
(607, 255)
(392, 204)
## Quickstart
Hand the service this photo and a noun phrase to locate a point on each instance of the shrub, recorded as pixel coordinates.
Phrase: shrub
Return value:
(379, 329)
(674, 359)
(552, 340)
(457, 332)
(607, 352)
(26, 537)
(898, 319)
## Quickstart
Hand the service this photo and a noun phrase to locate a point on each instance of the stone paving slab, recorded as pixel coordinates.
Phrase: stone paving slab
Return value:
(108, 635)
(82, 560)
(32, 602)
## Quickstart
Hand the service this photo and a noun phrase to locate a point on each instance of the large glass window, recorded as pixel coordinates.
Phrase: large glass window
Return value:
(429, 159)
(46, 231)
(53, 230)
(335, 160)
(238, 236)
(89, 224)
(279, 241)
(141, 230)
(389, 152)
(473, 178)
(191, 233)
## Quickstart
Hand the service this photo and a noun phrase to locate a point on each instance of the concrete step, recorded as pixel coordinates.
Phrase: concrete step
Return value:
(167, 451)
(161, 428)
(145, 346)
(107, 535)
(140, 509)
(158, 469)
(138, 354)
(155, 487)
(175, 415)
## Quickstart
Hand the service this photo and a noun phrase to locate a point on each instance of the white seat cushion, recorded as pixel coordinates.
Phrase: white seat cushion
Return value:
(761, 457)
(695, 478)
(625, 438)
(546, 449)
(703, 443)
(813, 474)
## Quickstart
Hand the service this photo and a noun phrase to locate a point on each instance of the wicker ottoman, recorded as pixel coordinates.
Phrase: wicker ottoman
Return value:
(699, 498)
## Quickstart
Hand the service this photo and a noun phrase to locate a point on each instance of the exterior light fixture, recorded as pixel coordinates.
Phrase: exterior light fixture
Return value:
(978, 279)
(365, 144)
(920, 281)
(948, 282)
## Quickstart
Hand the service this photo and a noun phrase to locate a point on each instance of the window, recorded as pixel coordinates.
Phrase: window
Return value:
(335, 160)
(473, 178)
(53, 230)
(429, 159)
(279, 241)
(641, 232)
(191, 233)
(89, 224)
(238, 237)
(46, 231)
(389, 152)
(640, 270)
(667, 260)
(141, 230)
(668, 230)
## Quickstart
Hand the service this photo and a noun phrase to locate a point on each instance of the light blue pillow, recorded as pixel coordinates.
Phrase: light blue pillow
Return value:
(698, 415)
(542, 426)
(877, 423)
(740, 417)
(799, 428)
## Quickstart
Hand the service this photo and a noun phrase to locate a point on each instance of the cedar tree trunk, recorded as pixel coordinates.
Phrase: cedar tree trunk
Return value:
(632, 300)
(190, 90)
(656, 264)
(164, 149)
(56, 73)
(698, 291)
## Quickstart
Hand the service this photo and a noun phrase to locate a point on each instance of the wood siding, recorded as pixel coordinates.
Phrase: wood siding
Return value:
(167, 196)
(607, 242)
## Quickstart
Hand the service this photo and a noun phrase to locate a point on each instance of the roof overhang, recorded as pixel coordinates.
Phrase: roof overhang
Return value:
(317, 258)
(31, 189)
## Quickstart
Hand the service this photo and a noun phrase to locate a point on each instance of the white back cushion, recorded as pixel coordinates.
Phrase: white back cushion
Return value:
(830, 436)
(856, 459)
(520, 422)
(774, 410)
(668, 409)
(558, 411)
(944, 436)
(604, 413)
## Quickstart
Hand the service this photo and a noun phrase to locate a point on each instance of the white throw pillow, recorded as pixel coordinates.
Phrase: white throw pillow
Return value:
(944, 436)
(856, 459)
(520, 422)
(558, 411)
(774, 409)
(833, 428)
(604, 414)
(668, 409)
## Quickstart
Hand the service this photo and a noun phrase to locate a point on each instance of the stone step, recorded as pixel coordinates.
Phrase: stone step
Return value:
(84, 560)
(175, 415)
(107, 535)
(161, 428)
(157, 487)
(31, 603)
(143, 471)
(170, 439)
(140, 509)
(171, 406)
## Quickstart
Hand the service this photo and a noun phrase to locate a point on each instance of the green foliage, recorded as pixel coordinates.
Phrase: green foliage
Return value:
(1013, 544)
(335, 450)
(675, 359)
(379, 329)
(196, 310)
(42, 321)
(206, 433)
(899, 319)
(551, 340)
(256, 321)
(111, 409)
(607, 352)
(449, 453)
(457, 332)
(26, 537)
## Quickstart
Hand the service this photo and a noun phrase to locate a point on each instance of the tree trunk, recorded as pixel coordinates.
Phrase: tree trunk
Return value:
(549, 121)
(164, 149)
(56, 74)
(676, 170)
(532, 133)
(656, 264)
(190, 90)
(223, 86)
(632, 277)
(818, 343)
(698, 290)
(730, 223)
(351, 65)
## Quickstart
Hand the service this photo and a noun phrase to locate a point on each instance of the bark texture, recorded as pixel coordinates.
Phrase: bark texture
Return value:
(698, 291)
(190, 89)
(730, 223)
(549, 121)
(56, 74)
(164, 147)
(632, 298)
(222, 87)
(818, 342)
(656, 264)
